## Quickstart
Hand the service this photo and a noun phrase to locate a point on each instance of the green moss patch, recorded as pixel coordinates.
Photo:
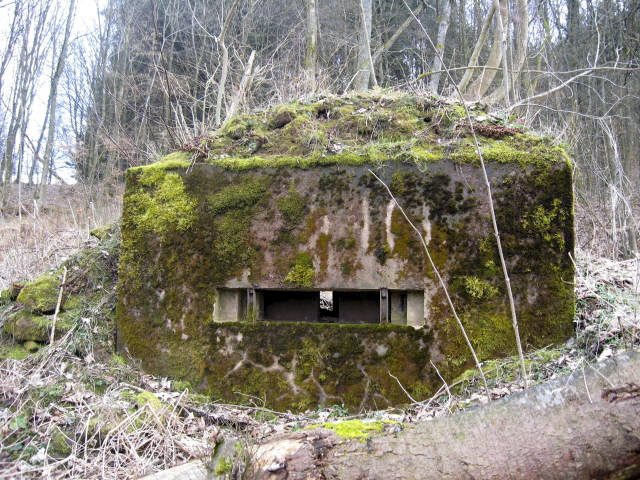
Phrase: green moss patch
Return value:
(166, 207)
(376, 127)
(353, 428)
(302, 272)
(24, 326)
(41, 295)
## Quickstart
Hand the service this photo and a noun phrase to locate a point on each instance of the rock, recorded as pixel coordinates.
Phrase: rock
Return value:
(41, 295)
(24, 326)
(10, 294)
(103, 233)
(31, 346)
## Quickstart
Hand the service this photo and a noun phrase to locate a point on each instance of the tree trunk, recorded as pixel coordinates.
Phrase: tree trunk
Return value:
(573, 19)
(443, 26)
(53, 99)
(473, 60)
(311, 56)
(578, 427)
(365, 69)
(522, 36)
(496, 56)
(240, 92)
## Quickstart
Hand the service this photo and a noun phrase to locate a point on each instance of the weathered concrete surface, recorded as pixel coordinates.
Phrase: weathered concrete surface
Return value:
(295, 208)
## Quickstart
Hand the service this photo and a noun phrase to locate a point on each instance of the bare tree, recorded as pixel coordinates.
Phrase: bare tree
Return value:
(53, 102)
(34, 27)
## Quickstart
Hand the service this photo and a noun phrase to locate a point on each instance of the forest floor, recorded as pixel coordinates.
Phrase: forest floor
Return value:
(76, 409)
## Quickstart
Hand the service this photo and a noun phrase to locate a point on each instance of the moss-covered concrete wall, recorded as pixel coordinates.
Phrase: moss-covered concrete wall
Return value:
(285, 199)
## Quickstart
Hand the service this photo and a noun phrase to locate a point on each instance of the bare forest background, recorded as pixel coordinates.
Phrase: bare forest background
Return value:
(151, 75)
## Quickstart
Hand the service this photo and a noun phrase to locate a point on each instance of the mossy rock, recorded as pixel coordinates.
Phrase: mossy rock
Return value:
(24, 326)
(31, 346)
(13, 351)
(60, 445)
(5, 297)
(10, 294)
(148, 398)
(101, 424)
(104, 233)
(41, 295)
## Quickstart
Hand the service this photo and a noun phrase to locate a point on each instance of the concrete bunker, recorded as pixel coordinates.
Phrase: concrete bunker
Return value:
(228, 248)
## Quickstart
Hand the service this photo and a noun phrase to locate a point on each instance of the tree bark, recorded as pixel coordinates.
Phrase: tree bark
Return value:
(365, 70)
(581, 426)
(443, 26)
(311, 56)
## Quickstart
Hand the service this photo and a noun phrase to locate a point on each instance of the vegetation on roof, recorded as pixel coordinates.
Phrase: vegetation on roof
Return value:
(372, 127)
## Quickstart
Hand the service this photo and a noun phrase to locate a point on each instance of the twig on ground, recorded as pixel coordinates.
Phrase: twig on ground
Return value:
(55, 313)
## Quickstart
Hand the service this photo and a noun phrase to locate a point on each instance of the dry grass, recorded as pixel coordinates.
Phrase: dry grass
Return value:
(57, 423)
(34, 239)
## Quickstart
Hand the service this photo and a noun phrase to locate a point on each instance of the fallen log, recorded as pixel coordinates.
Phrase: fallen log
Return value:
(582, 426)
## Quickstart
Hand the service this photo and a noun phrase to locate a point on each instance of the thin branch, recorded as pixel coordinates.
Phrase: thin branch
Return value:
(494, 221)
(446, 387)
(548, 92)
(55, 314)
(542, 72)
(440, 279)
(413, 400)
(387, 45)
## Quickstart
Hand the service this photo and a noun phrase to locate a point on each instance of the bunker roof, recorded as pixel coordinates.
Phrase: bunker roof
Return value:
(365, 128)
